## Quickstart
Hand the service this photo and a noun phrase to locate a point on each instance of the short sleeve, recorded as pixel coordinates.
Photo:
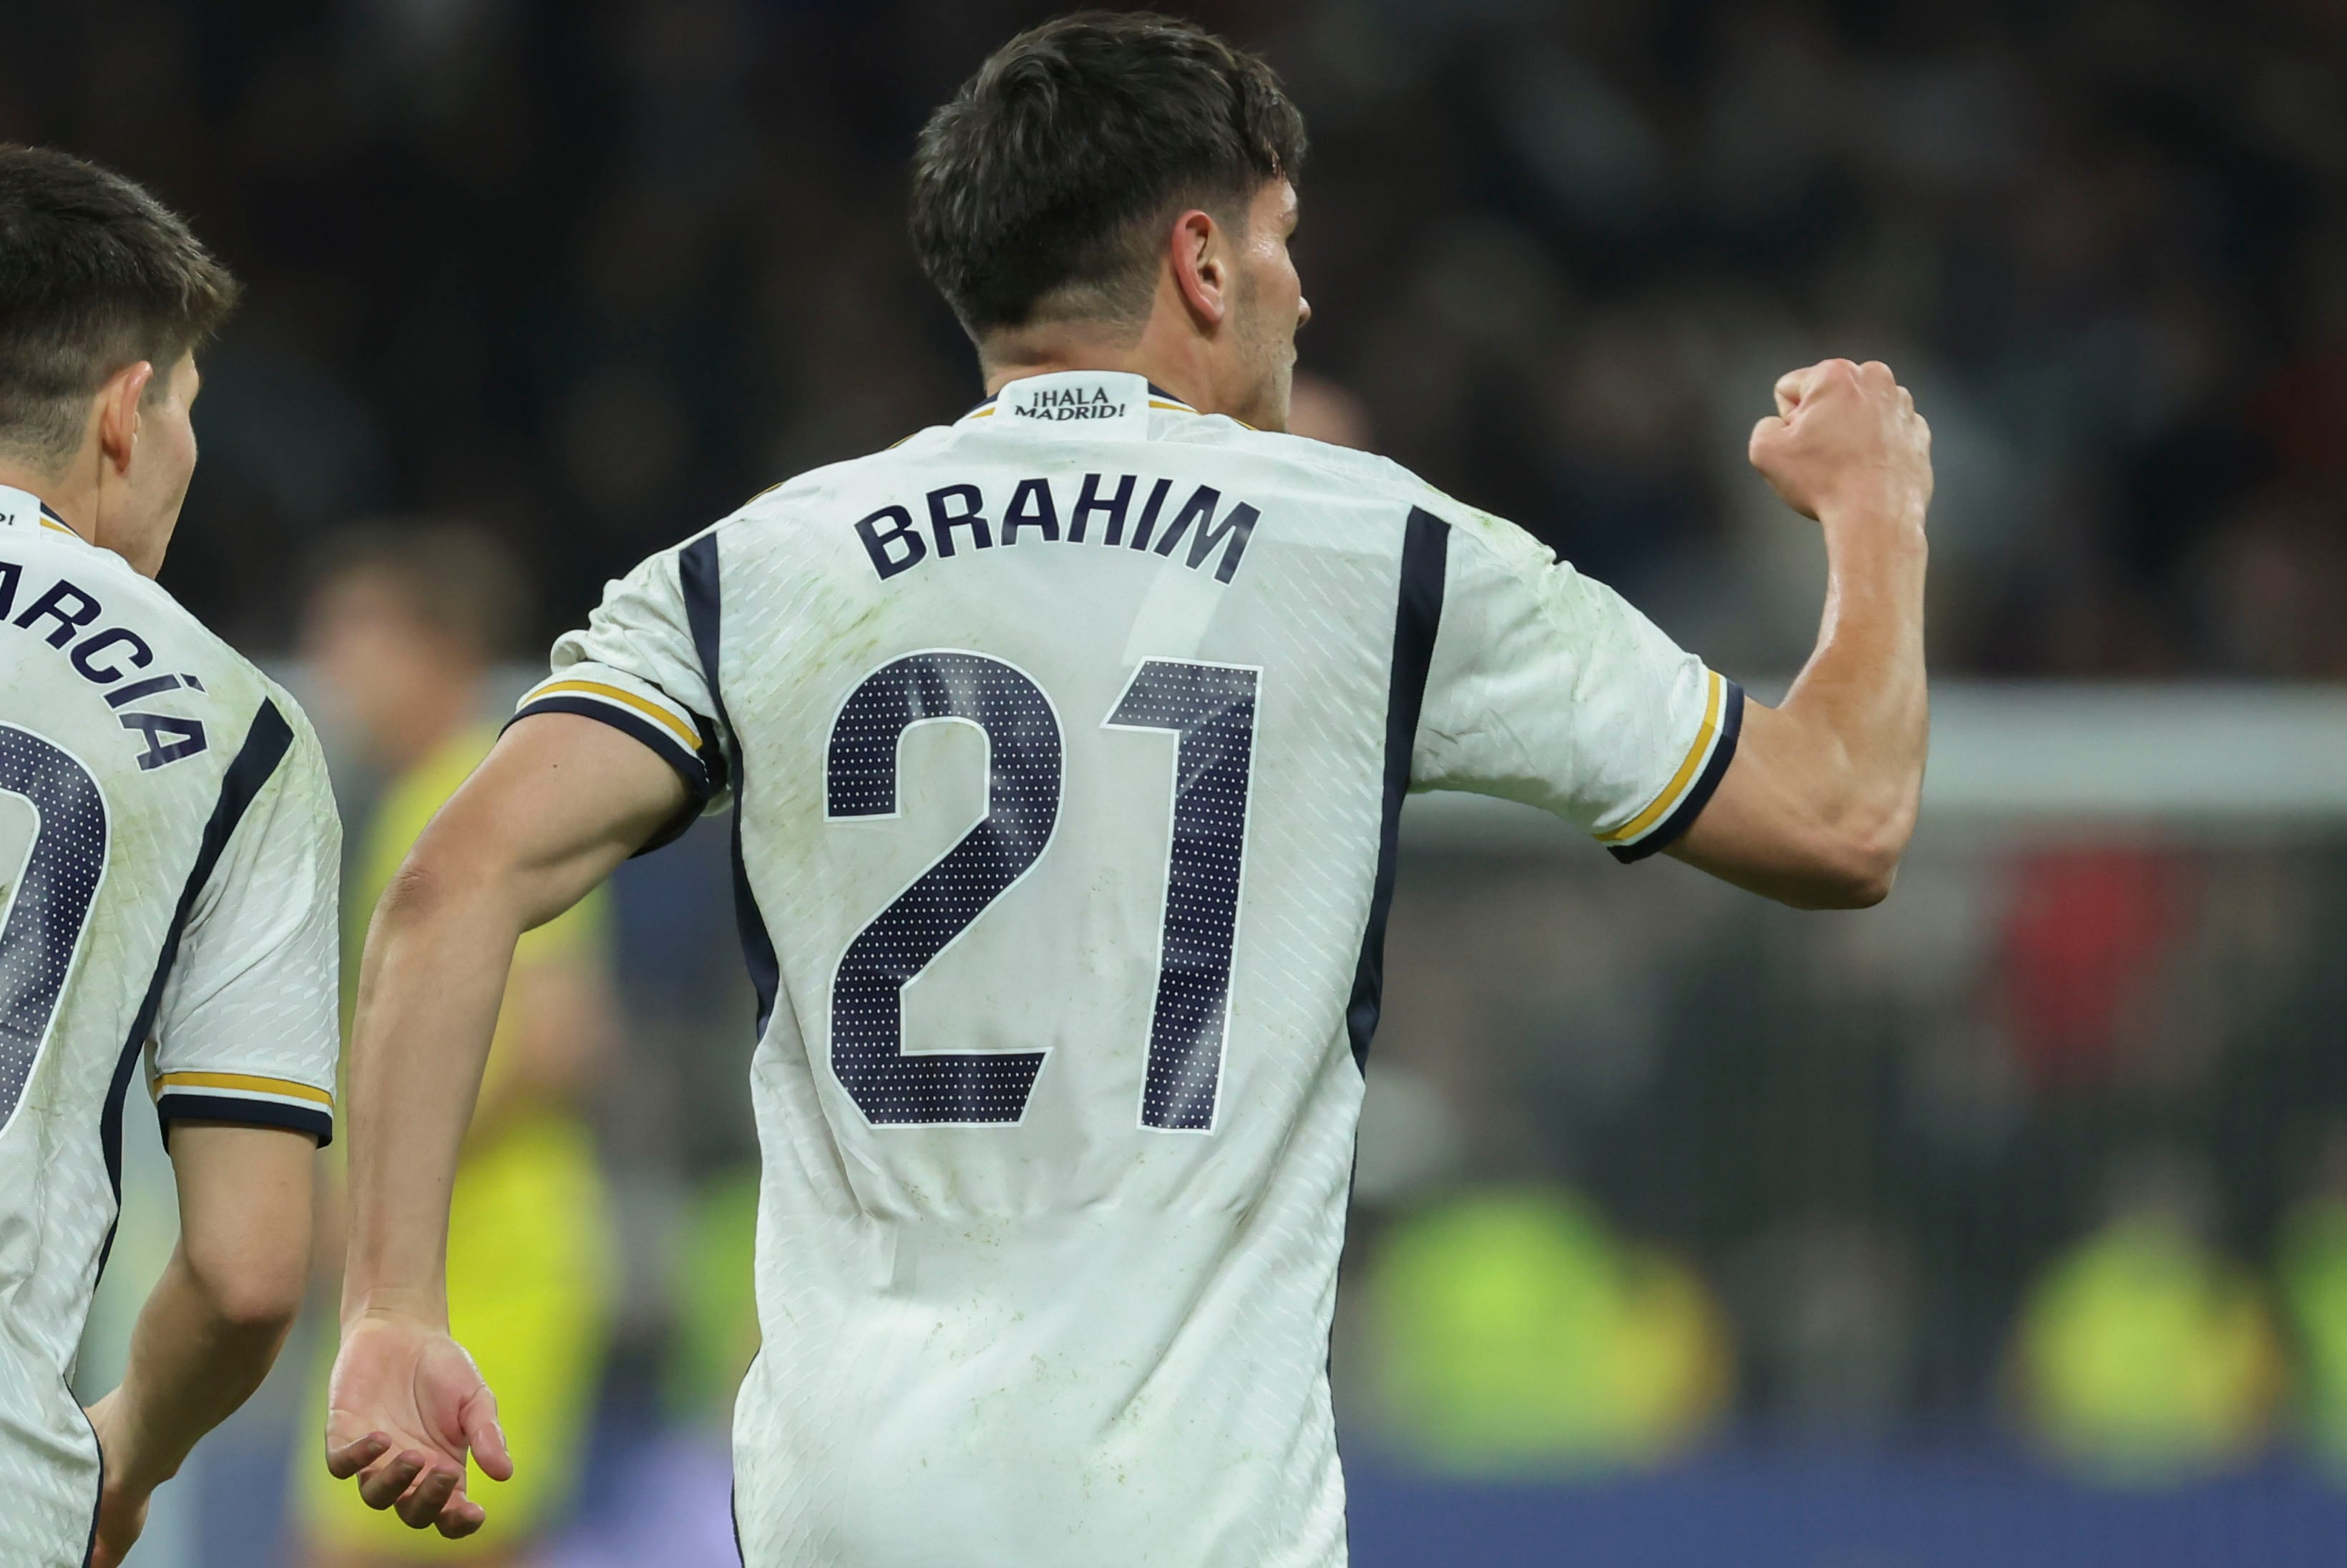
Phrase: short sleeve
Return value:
(636, 667)
(248, 1028)
(1547, 687)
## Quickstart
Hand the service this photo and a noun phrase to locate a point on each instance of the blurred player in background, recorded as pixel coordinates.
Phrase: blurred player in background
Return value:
(170, 852)
(1065, 999)
(403, 629)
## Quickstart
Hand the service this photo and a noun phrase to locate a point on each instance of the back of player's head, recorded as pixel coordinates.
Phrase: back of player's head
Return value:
(1037, 190)
(94, 274)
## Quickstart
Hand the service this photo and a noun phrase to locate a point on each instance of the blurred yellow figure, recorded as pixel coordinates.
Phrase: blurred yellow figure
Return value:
(716, 1330)
(1515, 1331)
(2313, 1258)
(402, 631)
(2145, 1356)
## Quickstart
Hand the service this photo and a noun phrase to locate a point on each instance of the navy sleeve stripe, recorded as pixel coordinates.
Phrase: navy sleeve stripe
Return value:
(1723, 751)
(314, 1120)
(698, 786)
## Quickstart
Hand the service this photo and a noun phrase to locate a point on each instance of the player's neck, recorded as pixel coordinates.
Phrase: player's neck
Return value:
(75, 505)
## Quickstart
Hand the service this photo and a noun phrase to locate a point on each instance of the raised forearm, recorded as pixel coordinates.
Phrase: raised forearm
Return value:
(1863, 699)
(1819, 802)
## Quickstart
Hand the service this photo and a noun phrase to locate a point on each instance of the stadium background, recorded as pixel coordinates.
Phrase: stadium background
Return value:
(2008, 1223)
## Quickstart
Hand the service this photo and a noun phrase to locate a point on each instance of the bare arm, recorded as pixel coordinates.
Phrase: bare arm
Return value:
(1819, 805)
(557, 805)
(213, 1323)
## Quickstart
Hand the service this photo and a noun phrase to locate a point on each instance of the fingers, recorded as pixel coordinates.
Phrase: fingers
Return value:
(1792, 387)
(425, 1492)
(1795, 388)
(421, 1506)
(389, 1481)
(1844, 433)
(461, 1518)
(352, 1457)
(484, 1436)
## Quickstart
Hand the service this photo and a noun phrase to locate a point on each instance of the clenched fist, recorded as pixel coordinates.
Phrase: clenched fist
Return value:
(1846, 437)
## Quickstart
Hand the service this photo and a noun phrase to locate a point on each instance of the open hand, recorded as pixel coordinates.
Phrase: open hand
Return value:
(1846, 437)
(406, 1405)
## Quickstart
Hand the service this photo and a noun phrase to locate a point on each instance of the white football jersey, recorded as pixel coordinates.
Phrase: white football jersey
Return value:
(1066, 745)
(169, 856)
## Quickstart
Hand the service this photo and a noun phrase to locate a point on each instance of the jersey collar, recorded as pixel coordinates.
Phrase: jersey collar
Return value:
(1159, 398)
(23, 509)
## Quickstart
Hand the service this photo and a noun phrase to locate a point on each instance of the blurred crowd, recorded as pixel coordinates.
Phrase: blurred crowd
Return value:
(592, 273)
(2055, 1145)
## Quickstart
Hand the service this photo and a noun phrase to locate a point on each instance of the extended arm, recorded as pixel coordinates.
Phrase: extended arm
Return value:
(558, 804)
(213, 1323)
(1819, 805)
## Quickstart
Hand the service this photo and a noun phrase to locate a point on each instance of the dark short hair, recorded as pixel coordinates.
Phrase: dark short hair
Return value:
(94, 274)
(1037, 187)
(456, 578)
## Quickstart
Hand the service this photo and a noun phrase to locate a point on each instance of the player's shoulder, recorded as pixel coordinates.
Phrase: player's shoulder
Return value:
(1385, 484)
(272, 746)
(302, 742)
(242, 691)
(1498, 541)
(122, 604)
(1341, 471)
(790, 501)
(1338, 470)
(254, 727)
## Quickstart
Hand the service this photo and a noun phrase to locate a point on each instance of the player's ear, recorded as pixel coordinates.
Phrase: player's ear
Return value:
(119, 404)
(1201, 267)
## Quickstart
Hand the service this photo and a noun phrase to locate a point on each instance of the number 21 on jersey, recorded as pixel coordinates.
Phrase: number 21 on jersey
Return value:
(1209, 708)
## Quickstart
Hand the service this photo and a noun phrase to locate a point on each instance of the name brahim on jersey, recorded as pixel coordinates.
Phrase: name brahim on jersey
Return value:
(1101, 511)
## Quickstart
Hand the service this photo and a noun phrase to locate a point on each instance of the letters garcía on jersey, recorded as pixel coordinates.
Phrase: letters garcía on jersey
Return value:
(69, 618)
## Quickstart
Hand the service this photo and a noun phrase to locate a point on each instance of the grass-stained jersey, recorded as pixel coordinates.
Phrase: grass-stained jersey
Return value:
(169, 854)
(1065, 745)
